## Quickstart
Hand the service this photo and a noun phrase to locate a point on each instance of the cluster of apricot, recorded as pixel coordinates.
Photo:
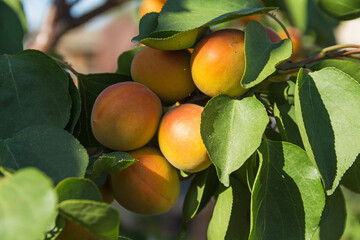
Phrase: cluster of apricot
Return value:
(128, 115)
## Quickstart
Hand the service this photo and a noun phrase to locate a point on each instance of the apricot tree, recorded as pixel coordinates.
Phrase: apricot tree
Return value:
(261, 117)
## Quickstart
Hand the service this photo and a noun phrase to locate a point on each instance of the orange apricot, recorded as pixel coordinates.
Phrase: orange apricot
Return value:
(73, 231)
(148, 6)
(166, 73)
(296, 38)
(150, 186)
(218, 62)
(180, 139)
(105, 191)
(273, 36)
(125, 116)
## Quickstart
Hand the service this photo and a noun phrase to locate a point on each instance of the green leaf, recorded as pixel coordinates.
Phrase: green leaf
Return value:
(349, 67)
(11, 30)
(75, 106)
(98, 218)
(27, 205)
(109, 163)
(202, 188)
(285, 119)
(77, 188)
(53, 150)
(232, 131)
(34, 90)
(351, 179)
(298, 13)
(17, 6)
(333, 220)
(182, 22)
(90, 86)
(262, 56)
(230, 219)
(341, 9)
(288, 197)
(124, 61)
(327, 112)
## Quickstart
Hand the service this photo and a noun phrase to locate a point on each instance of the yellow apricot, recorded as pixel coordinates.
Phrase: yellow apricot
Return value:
(180, 139)
(218, 62)
(150, 186)
(125, 116)
(73, 231)
(148, 6)
(166, 73)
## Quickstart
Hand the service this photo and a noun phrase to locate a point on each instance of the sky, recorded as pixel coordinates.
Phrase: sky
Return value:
(36, 10)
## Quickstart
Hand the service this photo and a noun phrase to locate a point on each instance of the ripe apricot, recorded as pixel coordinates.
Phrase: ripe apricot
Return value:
(148, 6)
(218, 62)
(273, 36)
(73, 231)
(150, 186)
(296, 38)
(125, 116)
(166, 73)
(180, 139)
(106, 193)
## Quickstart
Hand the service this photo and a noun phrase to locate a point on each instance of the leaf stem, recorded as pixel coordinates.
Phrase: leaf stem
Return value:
(66, 65)
(273, 16)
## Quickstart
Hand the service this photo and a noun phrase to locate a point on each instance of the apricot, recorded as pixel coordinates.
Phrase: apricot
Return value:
(218, 62)
(150, 186)
(296, 38)
(73, 231)
(125, 116)
(105, 191)
(148, 6)
(180, 139)
(166, 73)
(273, 36)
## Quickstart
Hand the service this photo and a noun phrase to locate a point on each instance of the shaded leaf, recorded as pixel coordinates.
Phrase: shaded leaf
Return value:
(34, 90)
(333, 220)
(351, 179)
(232, 131)
(98, 218)
(327, 112)
(124, 61)
(75, 106)
(27, 197)
(77, 188)
(11, 30)
(231, 215)
(53, 150)
(262, 56)
(341, 9)
(288, 197)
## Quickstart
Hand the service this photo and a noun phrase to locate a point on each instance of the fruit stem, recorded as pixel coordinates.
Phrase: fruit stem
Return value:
(273, 16)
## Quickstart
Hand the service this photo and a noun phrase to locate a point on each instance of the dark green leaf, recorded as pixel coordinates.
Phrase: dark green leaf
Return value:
(11, 30)
(262, 56)
(202, 188)
(285, 119)
(98, 218)
(77, 188)
(124, 61)
(27, 198)
(327, 112)
(341, 9)
(90, 87)
(349, 67)
(75, 106)
(351, 178)
(231, 216)
(110, 163)
(34, 90)
(288, 197)
(232, 131)
(17, 6)
(53, 150)
(333, 220)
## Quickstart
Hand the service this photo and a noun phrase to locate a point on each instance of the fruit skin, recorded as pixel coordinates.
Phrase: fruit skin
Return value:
(273, 36)
(218, 62)
(166, 73)
(125, 116)
(150, 186)
(180, 139)
(105, 191)
(73, 231)
(148, 6)
(296, 38)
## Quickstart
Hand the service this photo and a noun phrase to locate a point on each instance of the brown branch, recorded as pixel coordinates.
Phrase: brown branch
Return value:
(59, 21)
